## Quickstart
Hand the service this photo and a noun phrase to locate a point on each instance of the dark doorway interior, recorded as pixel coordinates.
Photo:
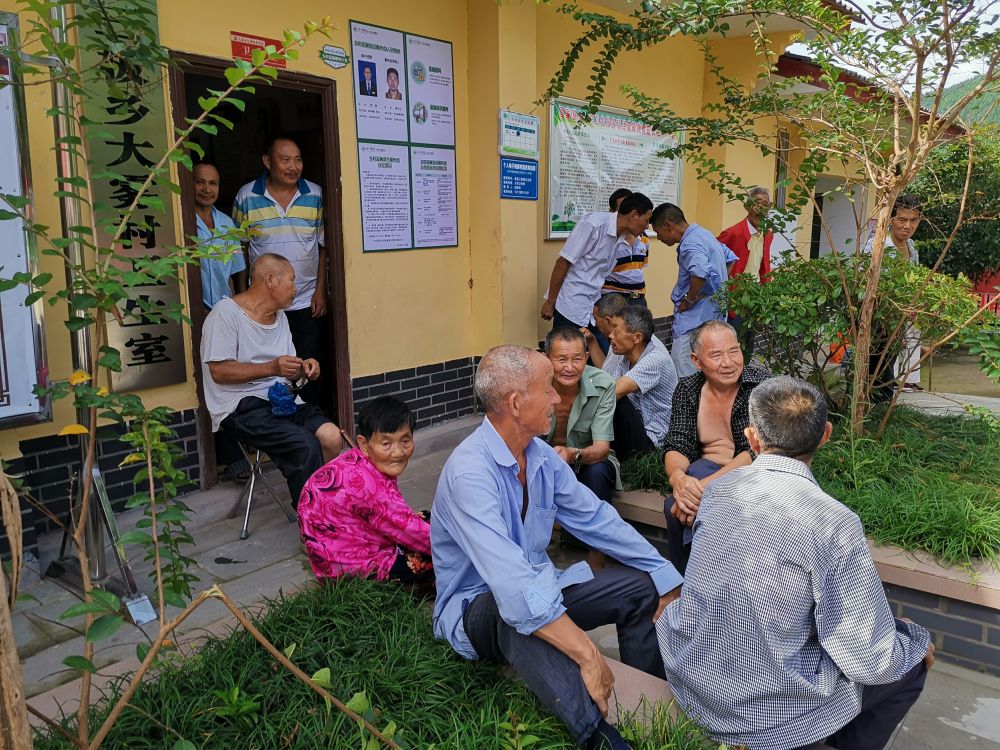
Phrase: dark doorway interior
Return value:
(817, 226)
(304, 108)
(269, 112)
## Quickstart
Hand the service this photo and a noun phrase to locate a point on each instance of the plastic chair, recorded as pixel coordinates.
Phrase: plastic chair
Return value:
(256, 472)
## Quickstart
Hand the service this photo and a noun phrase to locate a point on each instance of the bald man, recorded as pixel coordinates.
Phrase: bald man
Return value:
(246, 347)
(499, 596)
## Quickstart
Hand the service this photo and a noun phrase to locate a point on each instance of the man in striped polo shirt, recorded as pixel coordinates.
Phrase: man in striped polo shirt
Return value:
(285, 215)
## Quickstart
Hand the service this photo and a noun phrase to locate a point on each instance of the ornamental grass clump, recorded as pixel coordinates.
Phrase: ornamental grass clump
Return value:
(357, 636)
(931, 483)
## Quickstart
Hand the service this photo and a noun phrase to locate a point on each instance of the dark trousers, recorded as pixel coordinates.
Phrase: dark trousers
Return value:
(623, 596)
(559, 320)
(309, 335)
(883, 707)
(599, 478)
(679, 536)
(630, 432)
(227, 448)
(291, 442)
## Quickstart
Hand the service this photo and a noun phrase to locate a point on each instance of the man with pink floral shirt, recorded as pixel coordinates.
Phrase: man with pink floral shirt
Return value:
(352, 517)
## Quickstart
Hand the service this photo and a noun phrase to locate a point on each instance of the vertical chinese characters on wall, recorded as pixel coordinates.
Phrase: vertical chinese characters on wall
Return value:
(131, 138)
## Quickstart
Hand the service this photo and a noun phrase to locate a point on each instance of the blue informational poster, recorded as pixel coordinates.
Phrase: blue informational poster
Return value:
(518, 179)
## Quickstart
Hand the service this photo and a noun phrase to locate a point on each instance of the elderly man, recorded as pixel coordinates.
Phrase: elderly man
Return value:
(706, 438)
(499, 596)
(644, 382)
(246, 347)
(583, 423)
(285, 217)
(702, 270)
(586, 260)
(753, 251)
(783, 636)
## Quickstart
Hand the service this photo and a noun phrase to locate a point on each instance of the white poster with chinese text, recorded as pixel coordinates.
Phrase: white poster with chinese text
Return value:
(385, 196)
(589, 161)
(379, 83)
(432, 91)
(435, 199)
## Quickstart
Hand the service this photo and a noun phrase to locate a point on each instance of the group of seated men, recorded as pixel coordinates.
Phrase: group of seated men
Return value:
(775, 633)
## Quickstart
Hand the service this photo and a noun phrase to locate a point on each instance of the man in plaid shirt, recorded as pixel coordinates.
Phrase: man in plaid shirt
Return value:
(782, 635)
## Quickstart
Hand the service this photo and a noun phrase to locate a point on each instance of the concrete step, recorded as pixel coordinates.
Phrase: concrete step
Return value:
(642, 506)
(445, 436)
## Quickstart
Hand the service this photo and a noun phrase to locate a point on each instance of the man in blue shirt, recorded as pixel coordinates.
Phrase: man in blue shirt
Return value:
(224, 273)
(702, 269)
(783, 636)
(499, 595)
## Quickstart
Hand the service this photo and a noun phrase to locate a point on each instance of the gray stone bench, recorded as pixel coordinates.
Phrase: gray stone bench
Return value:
(641, 506)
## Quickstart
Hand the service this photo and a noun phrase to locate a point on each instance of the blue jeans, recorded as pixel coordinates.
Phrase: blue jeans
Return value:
(623, 596)
(680, 353)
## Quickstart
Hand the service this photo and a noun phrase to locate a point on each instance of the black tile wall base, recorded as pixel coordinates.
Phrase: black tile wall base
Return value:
(436, 393)
(50, 468)
(965, 634)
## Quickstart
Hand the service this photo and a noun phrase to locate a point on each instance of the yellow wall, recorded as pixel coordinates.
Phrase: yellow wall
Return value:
(416, 307)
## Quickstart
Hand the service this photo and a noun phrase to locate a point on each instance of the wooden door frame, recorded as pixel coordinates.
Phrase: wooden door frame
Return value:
(326, 88)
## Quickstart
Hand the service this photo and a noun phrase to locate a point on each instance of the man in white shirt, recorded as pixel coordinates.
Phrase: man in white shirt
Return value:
(586, 260)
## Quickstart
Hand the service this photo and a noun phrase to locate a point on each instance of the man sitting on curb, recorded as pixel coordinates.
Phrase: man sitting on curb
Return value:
(246, 347)
(644, 382)
(583, 423)
(706, 438)
(783, 636)
(499, 595)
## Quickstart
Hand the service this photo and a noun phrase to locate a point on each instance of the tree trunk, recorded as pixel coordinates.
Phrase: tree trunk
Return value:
(863, 378)
(15, 731)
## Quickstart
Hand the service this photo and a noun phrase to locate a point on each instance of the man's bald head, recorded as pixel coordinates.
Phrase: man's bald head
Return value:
(269, 263)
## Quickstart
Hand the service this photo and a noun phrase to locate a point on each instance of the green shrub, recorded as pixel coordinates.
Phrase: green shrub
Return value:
(931, 483)
(372, 637)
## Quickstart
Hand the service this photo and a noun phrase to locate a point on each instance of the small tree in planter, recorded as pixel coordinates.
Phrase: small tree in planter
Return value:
(867, 126)
(121, 36)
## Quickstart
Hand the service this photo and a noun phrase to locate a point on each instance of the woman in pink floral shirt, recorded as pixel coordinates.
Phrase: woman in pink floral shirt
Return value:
(352, 517)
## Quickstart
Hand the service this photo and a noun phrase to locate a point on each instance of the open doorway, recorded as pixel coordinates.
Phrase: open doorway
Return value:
(304, 108)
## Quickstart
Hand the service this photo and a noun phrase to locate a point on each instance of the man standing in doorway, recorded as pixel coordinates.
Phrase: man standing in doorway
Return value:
(285, 217)
(586, 260)
(223, 273)
(753, 252)
(701, 271)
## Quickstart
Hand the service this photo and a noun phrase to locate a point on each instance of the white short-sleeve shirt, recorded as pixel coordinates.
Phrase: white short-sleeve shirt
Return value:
(591, 251)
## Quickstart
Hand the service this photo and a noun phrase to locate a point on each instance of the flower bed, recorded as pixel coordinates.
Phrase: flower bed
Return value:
(373, 638)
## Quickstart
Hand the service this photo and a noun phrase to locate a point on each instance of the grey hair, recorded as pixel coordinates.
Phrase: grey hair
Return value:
(266, 259)
(638, 319)
(708, 325)
(565, 333)
(789, 416)
(611, 305)
(759, 190)
(502, 370)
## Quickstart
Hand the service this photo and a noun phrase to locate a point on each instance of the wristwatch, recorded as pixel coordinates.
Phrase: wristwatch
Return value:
(577, 460)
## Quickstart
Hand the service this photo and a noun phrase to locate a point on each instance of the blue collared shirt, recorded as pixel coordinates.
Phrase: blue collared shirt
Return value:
(479, 542)
(783, 617)
(227, 258)
(699, 254)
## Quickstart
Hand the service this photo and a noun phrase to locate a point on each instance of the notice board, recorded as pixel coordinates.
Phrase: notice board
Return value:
(22, 347)
(590, 160)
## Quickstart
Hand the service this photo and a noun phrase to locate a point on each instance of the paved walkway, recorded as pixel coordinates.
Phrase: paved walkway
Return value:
(959, 708)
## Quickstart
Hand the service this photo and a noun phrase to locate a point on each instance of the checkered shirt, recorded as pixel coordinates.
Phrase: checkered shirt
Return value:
(782, 618)
(656, 377)
(683, 434)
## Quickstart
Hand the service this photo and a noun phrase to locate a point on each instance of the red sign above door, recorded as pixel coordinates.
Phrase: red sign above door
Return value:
(244, 44)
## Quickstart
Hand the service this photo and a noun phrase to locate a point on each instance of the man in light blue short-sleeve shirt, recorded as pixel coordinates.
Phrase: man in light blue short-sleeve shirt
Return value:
(702, 269)
(224, 273)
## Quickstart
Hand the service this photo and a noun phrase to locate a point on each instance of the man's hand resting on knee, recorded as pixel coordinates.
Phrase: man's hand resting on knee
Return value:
(597, 676)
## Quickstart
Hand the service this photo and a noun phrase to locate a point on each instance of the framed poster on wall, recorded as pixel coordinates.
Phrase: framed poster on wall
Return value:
(404, 108)
(589, 161)
(22, 338)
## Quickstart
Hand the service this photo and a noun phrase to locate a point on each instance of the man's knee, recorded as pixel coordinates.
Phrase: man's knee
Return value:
(330, 439)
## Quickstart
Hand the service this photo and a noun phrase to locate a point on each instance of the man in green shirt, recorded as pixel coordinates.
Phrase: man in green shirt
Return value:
(582, 426)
